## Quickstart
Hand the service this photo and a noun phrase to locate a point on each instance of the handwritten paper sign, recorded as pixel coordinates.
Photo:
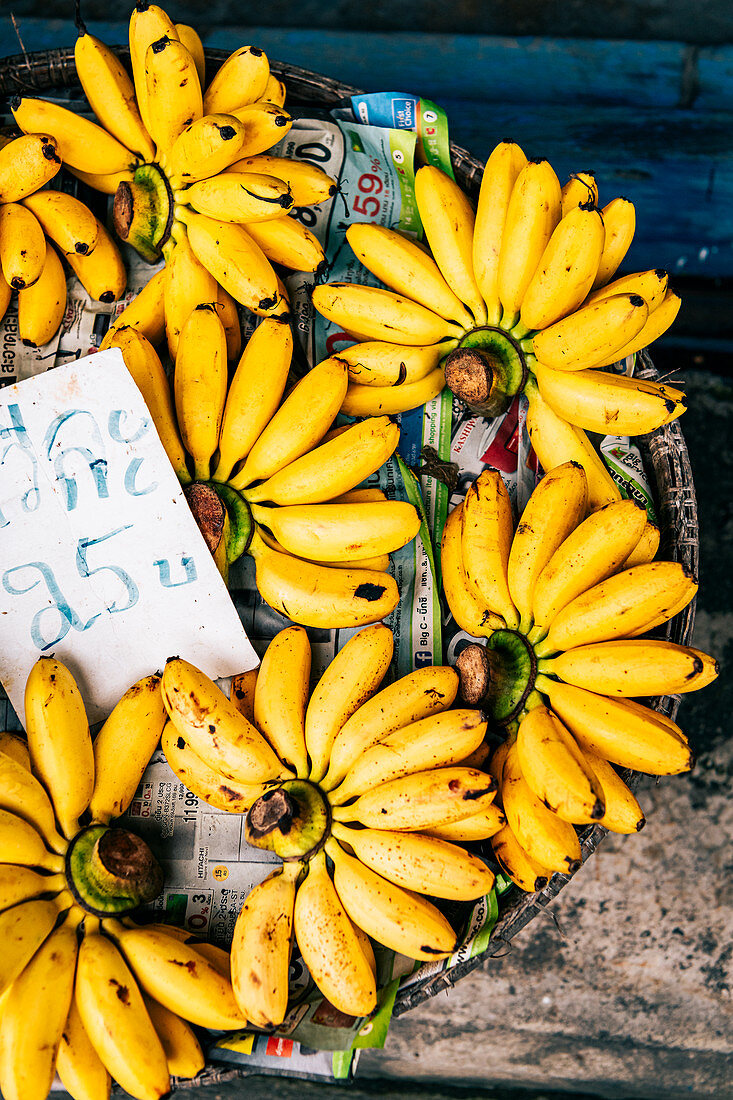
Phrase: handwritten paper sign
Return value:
(101, 562)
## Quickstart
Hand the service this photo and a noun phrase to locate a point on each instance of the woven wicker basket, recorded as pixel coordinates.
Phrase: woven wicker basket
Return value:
(664, 452)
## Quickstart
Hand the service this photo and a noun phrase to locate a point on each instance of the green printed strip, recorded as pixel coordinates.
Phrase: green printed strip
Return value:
(433, 139)
(341, 1064)
(373, 1033)
(412, 489)
(480, 941)
(402, 146)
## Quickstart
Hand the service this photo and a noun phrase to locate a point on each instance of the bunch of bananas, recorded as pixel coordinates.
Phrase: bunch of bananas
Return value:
(36, 224)
(516, 295)
(114, 997)
(563, 601)
(384, 786)
(271, 479)
(184, 162)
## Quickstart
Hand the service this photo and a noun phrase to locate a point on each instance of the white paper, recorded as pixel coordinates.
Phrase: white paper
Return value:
(101, 562)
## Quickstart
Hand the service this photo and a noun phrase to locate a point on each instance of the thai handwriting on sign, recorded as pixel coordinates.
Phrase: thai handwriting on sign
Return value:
(76, 468)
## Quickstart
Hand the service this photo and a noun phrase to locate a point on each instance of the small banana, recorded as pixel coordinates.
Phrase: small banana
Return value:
(21, 843)
(22, 794)
(281, 695)
(580, 190)
(623, 813)
(486, 539)
(370, 313)
(204, 149)
(80, 143)
(307, 183)
(497, 183)
(524, 872)
(288, 242)
(18, 884)
(111, 93)
(470, 611)
(264, 125)
(205, 782)
(240, 80)
(106, 182)
(657, 324)
(556, 770)
(238, 197)
(230, 254)
(27, 163)
(102, 272)
(22, 246)
(634, 668)
(646, 548)
(545, 837)
(652, 285)
(532, 213)
(148, 24)
(421, 800)
(200, 385)
(173, 97)
(145, 313)
(242, 693)
(16, 746)
(566, 269)
(341, 532)
(186, 285)
(78, 1064)
(479, 826)
(619, 220)
(190, 39)
(41, 307)
(391, 400)
(593, 334)
(182, 1049)
(228, 311)
(376, 363)
(23, 929)
(68, 222)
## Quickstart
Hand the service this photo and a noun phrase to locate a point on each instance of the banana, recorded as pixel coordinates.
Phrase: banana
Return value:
(230, 254)
(27, 163)
(375, 363)
(240, 80)
(203, 150)
(200, 385)
(623, 813)
(19, 884)
(329, 945)
(402, 921)
(467, 608)
(307, 183)
(178, 977)
(553, 511)
(22, 246)
(213, 726)
(106, 182)
(238, 197)
(524, 872)
(434, 742)
(275, 92)
(80, 143)
(148, 24)
(373, 314)
(102, 273)
(379, 562)
(599, 401)
(592, 334)
(500, 174)
(205, 782)
(496, 762)
(618, 605)
(78, 1064)
(421, 800)
(356, 496)
(424, 692)
(228, 311)
(41, 307)
(21, 843)
(657, 324)
(286, 241)
(23, 929)
(619, 220)
(22, 794)
(146, 313)
(190, 39)
(6, 293)
(299, 424)
(545, 837)
(448, 223)
(348, 681)
(317, 596)
(533, 212)
(111, 93)
(123, 747)
(261, 947)
(186, 285)
(264, 124)
(634, 668)
(182, 1049)
(29, 1038)
(487, 530)
(580, 190)
(423, 864)
(611, 729)
(589, 554)
(646, 548)
(556, 770)
(341, 532)
(652, 285)
(16, 747)
(281, 694)
(391, 400)
(58, 739)
(566, 269)
(366, 945)
(173, 97)
(655, 716)
(69, 223)
(116, 1021)
(479, 826)
(150, 378)
(555, 441)
(406, 268)
(255, 393)
(242, 693)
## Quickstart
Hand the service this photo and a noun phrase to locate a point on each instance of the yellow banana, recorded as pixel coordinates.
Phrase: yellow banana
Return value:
(524, 872)
(16, 747)
(634, 668)
(286, 241)
(6, 293)
(553, 511)
(241, 79)
(623, 813)
(242, 693)
(566, 269)
(281, 694)
(190, 39)
(80, 143)
(230, 254)
(330, 946)
(238, 197)
(402, 921)
(299, 424)
(486, 539)
(407, 268)
(146, 313)
(111, 94)
(186, 285)
(118, 1026)
(182, 1049)
(148, 24)
(556, 770)
(619, 220)
(78, 1064)
(341, 532)
(206, 782)
(545, 837)
(22, 794)
(646, 548)
(172, 92)
(19, 884)
(203, 150)
(22, 246)
(21, 843)
(23, 929)
(373, 314)
(68, 222)
(200, 385)
(264, 125)
(150, 378)
(58, 738)
(123, 747)
(379, 561)
(655, 716)
(41, 307)
(652, 285)
(533, 212)
(391, 400)
(106, 182)
(422, 800)
(599, 401)
(228, 311)
(213, 727)
(356, 496)
(375, 363)
(657, 324)
(434, 742)
(500, 174)
(27, 163)
(448, 222)
(580, 190)
(479, 826)
(307, 183)
(275, 92)
(102, 273)
(348, 681)
(611, 729)
(421, 693)
(261, 947)
(467, 608)
(593, 333)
